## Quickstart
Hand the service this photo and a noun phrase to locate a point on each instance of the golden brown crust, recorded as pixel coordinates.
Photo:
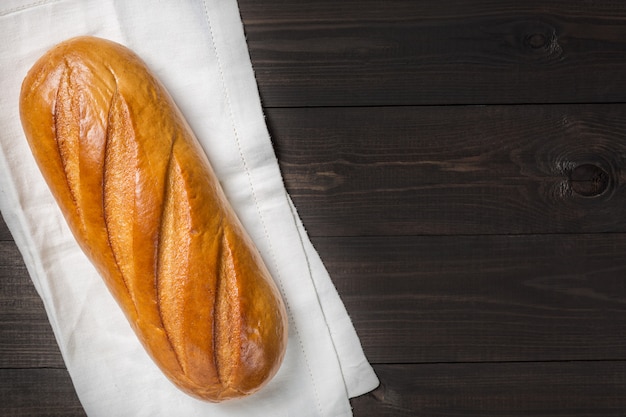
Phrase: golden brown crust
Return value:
(145, 206)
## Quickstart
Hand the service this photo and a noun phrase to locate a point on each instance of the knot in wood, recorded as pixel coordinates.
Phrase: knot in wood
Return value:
(589, 180)
(541, 39)
(536, 40)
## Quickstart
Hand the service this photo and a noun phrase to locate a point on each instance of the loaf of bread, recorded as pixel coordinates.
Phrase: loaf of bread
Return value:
(144, 204)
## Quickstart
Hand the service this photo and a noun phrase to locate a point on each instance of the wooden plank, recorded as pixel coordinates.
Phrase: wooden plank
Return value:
(433, 299)
(563, 389)
(38, 393)
(4, 231)
(26, 338)
(329, 53)
(418, 299)
(553, 389)
(454, 169)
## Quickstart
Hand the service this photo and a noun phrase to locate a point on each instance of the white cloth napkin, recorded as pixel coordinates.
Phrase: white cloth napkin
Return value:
(198, 50)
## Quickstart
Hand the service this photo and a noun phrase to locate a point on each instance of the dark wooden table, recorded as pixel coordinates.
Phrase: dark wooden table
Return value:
(460, 167)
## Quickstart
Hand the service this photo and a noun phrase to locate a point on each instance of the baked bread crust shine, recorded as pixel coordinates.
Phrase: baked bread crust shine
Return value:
(144, 204)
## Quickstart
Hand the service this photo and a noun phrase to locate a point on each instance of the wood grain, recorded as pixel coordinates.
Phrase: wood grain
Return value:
(348, 53)
(418, 298)
(453, 169)
(435, 299)
(38, 393)
(5, 235)
(26, 338)
(556, 389)
(552, 389)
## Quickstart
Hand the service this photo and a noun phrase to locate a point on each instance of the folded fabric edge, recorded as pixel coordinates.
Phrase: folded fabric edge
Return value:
(359, 376)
